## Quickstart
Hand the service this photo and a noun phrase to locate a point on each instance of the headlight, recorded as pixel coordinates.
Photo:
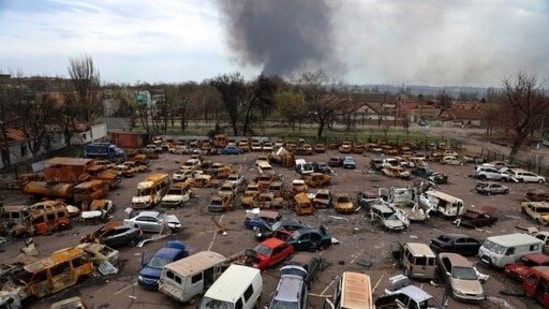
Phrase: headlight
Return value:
(140, 278)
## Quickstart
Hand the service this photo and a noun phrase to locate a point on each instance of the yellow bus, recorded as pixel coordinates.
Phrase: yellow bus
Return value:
(151, 190)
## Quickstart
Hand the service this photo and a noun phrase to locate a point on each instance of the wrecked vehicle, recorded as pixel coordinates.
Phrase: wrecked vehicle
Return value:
(115, 234)
(475, 218)
(50, 275)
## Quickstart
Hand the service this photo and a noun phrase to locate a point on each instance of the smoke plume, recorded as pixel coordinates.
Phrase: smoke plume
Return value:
(283, 36)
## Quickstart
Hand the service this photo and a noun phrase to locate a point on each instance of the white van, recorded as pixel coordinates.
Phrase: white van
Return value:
(419, 261)
(442, 203)
(501, 250)
(191, 276)
(238, 287)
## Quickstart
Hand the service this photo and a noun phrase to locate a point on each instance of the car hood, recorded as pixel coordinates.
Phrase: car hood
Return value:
(141, 199)
(394, 224)
(470, 287)
(151, 272)
(517, 268)
(172, 198)
(173, 221)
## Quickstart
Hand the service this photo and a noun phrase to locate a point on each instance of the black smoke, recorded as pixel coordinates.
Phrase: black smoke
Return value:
(283, 36)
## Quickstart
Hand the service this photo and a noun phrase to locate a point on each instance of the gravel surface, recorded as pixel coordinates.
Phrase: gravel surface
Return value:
(360, 240)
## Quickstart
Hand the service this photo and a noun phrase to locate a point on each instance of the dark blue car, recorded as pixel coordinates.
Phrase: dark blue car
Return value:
(231, 150)
(151, 271)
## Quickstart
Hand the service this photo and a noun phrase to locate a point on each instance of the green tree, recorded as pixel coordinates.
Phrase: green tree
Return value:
(291, 107)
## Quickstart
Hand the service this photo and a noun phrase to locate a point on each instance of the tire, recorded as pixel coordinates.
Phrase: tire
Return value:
(488, 193)
(132, 242)
(540, 181)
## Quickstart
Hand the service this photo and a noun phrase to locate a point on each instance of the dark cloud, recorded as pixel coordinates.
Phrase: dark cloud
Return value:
(281, 36)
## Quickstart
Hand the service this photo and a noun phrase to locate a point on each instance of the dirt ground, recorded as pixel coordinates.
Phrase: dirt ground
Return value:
(360, 240)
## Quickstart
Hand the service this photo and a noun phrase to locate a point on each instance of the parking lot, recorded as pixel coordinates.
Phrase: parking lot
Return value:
(360, 242)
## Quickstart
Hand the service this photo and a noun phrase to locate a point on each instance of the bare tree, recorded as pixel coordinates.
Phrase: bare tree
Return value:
(87, 87)
(525, 104)
(323, 97)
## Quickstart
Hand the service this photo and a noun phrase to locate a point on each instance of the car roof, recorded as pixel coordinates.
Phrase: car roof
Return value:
(169, 253)
(539, 258)
(415, 293)
(455, 235)
(457, 259)
(302, 258)
(151, 213)
(272, 242)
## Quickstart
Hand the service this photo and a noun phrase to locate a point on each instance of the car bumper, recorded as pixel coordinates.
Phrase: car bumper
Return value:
(148, 283)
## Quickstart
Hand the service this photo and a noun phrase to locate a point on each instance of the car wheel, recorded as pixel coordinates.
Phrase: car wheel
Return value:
(540, 181)
(488, 193)
(132, 242)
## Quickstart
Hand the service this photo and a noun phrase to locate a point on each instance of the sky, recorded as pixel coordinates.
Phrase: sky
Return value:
(411, 42)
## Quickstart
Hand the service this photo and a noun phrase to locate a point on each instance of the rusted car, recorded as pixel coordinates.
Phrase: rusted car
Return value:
(303, 205)
(268, 200)
(537, 195)
(299, 185)
(395, 171)
(316, 180)
(474, 218)
(246, 199)
(219, 203)
(320, 148)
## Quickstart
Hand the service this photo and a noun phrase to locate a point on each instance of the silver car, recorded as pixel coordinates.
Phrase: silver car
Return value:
(389, 217)
(153, 221)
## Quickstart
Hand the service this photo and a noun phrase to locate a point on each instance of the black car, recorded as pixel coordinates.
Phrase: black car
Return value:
(430, 175)
(288, 225)
(309, 261)
(306, 239)
(457, 243)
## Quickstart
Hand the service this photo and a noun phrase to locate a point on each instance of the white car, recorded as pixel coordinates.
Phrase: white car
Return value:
(526, 176)
(153, 221)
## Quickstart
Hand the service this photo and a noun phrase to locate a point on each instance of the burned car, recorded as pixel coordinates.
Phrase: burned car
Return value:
(489, 188)
(288, 225)
(474, 218)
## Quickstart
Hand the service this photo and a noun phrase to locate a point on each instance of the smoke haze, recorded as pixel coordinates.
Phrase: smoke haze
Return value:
(450, 42)
(281, 36)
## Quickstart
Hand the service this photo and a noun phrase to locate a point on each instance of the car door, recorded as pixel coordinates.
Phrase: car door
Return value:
(469, 246)
(304, 242)
(149, 224)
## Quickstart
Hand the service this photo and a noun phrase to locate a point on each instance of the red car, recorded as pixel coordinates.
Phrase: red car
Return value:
(270, 252)
(519, 269)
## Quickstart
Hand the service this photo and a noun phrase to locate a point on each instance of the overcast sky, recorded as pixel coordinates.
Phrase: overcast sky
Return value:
(412, 42)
